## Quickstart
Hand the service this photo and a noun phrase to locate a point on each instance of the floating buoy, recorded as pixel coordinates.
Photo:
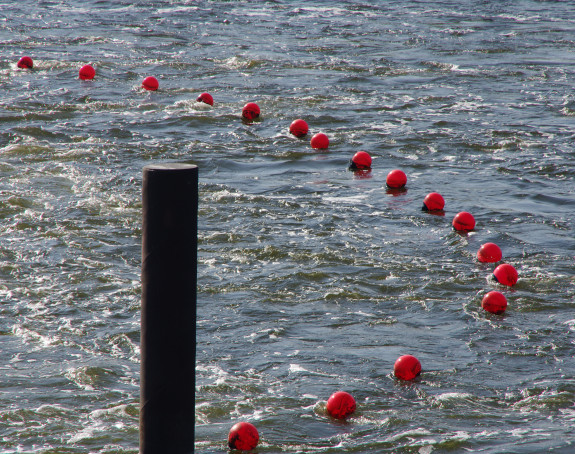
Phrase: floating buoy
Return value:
(319, 140)
(251, 111)
(243, 436)
(87, 72)
(150, 83)
(206, 98)
(299, 128)
(489, 253)
(505, 274)
(360, 161)
(407, 367)
(396, 179)
(494, 302)
(25, 63)
(433, 202)
(463, 221)
(340, 405)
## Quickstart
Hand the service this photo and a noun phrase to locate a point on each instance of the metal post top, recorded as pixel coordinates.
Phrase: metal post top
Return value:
(169, 166)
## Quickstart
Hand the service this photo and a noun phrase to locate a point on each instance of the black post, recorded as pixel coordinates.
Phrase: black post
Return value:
(168, 326)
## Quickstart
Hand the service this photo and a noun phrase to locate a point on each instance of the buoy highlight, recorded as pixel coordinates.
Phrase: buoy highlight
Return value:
(320, 141)
(505, 274)
(206, 98)
(87, 72)
(299, 128)
(396, 179)
(251, 111)
(433, 202)
(494, 302)
(463, 221)
(150, 83)
(25, 63)
(360, 161)
(489, 253)
(243, 436)
(340, 405)
(407, 367)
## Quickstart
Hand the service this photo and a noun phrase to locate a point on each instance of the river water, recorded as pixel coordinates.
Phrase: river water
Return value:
(311, 279)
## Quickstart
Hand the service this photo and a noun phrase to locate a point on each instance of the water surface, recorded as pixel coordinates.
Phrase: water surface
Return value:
(311, 278)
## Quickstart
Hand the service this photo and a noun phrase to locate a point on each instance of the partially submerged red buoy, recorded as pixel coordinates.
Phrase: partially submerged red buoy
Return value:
(494, 302)
(320, 140)
(150, 83)
(87, 72)
(251, 111)
(243, 436)
(463, 221)
(206, 98)
(360, 161)
(340, 405)
(299, 128)
(505, 274)
(489, 253)
(396, 179)
(407, 367)
(25, 63)
(433, 202)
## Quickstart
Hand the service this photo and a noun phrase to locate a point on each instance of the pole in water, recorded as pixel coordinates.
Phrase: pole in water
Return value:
(168, 326)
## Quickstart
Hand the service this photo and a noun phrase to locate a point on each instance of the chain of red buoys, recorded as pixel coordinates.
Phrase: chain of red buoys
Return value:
(341, 405)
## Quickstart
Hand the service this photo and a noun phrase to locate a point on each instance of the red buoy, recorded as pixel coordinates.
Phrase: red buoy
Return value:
(489, 253)
(360, 161)
(251, 111)
(433, 202)
(396, 179)
(299, 128)
(319, 140)
(407, 367)
(25, 63)
(494, 302)
(505, 274)
(340, 405)
(243, 436)
(206, 98)
(463, 221)
(150, 83)
(87, 72)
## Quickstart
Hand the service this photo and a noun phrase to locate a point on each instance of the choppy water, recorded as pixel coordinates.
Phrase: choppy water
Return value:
(311, 279)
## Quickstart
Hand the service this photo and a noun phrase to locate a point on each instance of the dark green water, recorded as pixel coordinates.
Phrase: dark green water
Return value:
(311, 279)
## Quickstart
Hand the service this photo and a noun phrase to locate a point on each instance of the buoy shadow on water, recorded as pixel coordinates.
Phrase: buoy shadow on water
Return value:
(396, 191)
(439, 213)
(252, 122)
(362, 174)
